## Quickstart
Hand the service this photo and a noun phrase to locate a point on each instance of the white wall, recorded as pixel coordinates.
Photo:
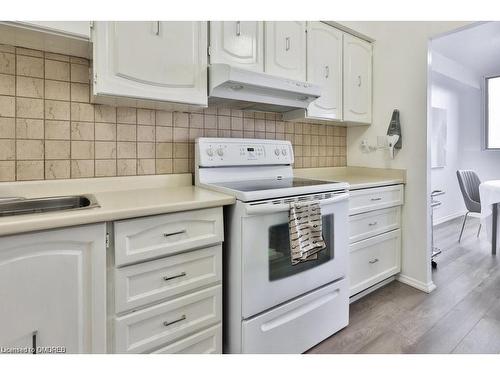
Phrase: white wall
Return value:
(462, 103)
(458, 89)
(485, 163)
(400, 81)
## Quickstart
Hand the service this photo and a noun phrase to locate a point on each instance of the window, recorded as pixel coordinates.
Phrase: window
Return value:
(492, 112)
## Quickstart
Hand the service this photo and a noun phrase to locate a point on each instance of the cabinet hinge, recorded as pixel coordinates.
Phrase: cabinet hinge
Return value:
(95, 78)
(209, 50)
(91, 25)
(107, 240)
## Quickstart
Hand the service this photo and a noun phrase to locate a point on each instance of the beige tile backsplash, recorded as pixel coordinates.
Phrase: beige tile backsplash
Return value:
(50, 130)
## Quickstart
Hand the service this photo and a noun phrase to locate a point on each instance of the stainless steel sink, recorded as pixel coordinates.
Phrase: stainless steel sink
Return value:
(21, 206)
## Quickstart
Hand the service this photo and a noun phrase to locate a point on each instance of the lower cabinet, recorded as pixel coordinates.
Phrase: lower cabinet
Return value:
(52, 290)
(375, 236)
(146, 329)
(208, 341)
(170, 299)
(374, 260)
(143, 285)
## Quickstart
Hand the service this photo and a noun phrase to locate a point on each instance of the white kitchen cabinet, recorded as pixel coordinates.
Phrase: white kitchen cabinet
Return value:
(374, 237)
(64, 37)
(75, 29)
(208, 341)
(144, 330)
(285, 49)
(365, 200)
(374, 260)
(150, 61)
(237, 43)
(357, 80)
(324, 67)
(166, 277)
(52, 289)
(152, 237)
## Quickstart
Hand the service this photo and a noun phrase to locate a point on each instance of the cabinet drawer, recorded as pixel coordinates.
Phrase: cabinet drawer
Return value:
(208, 341)
(278, 329)
(154, 326)
(144, 283)
(374, 260)
(373, 199)
(371, 223)
(157, 236)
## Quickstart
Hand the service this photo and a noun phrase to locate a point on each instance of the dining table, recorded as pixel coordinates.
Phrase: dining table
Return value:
(489, 193)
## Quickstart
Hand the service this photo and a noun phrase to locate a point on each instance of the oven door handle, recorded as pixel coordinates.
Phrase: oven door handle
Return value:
(269, 208)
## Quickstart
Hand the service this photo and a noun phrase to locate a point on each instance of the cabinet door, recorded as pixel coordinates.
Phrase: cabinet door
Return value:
(374, 260)
(52, 289)
(324, 67)
(285, 46)
(163, 61)
(357, 80)
(237, 43)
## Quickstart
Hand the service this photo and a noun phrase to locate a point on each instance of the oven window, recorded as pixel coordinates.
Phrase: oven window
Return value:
(280, 263)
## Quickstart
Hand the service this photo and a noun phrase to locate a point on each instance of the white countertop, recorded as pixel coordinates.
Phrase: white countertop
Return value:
(356, 177)
(118, 197)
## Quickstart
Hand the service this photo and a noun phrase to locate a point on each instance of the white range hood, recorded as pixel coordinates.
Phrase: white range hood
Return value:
(254, 91)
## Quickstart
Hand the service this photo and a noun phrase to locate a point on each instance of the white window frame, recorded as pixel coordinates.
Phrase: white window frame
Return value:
(485, 120)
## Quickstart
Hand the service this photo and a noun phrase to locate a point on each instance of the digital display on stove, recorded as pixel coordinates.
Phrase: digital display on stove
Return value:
(250, 149)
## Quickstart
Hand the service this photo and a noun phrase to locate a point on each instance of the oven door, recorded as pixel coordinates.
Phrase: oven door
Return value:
(268, 276)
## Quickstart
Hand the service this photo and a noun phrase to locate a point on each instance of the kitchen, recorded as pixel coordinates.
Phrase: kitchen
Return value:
(145, 165)
(146, 138)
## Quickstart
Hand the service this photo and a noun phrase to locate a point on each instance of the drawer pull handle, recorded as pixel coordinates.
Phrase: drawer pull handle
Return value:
(373, 261)
(372, 223)
(167, 278)
(166, 323)
(174, 233)
(34, 336)
(376, 199)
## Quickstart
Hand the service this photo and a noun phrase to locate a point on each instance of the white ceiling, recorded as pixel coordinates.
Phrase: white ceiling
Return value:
(477, 48)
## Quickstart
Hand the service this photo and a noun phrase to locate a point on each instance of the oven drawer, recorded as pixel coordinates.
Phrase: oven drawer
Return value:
(371, 223)
(364, 200)
(154, 326)
(312, 318)
(208, 341)
(157, 236)
(374, 260)
(148, 282)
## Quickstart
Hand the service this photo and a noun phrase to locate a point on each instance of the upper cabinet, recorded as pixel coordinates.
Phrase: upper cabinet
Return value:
(158, 61)
(324, 67)
(63, 37)
(237, 43)
(285, 49)
(76, 29)
(357, 80)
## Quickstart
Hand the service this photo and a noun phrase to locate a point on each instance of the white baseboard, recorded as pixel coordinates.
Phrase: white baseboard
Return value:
(417, 284)
(373, 288)
(446, 218)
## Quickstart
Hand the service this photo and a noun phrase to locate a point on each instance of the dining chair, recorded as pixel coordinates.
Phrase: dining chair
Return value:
(469, 186)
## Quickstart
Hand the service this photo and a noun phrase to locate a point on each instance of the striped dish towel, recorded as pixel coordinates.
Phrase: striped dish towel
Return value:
(306, 237)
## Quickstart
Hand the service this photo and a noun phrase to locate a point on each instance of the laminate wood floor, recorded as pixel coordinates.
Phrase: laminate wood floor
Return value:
(461, 316)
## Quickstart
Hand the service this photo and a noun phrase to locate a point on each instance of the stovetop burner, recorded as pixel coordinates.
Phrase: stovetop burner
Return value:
(270, 184)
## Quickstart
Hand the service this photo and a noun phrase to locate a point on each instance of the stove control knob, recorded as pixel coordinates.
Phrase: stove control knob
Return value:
(277, 152)
(220, 151)
(283, 152)
(210, 152)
